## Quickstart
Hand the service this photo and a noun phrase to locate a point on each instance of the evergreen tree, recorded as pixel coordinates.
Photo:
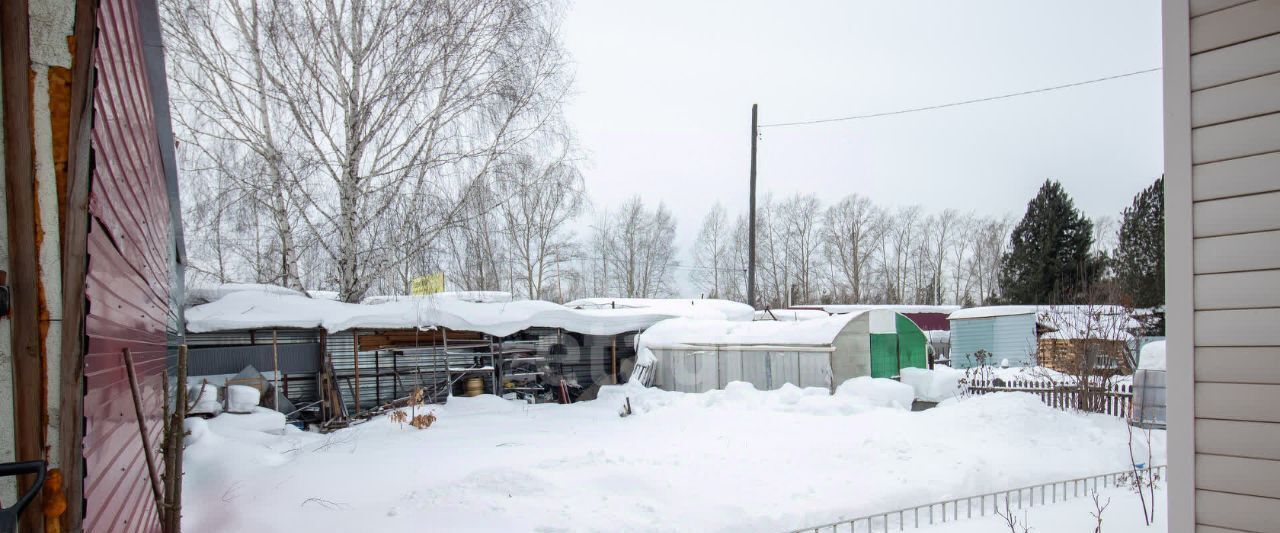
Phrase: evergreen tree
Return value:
(1139, 260)
(1049, 260)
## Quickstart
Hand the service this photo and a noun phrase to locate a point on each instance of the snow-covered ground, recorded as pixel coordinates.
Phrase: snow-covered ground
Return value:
(730, 460)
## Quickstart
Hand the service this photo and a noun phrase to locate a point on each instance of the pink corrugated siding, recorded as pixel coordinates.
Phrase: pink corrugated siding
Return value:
(127, 284)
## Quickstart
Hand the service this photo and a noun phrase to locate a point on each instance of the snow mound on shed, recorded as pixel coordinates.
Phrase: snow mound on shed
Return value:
(941, 383)
(880, 392)
(1152, 356)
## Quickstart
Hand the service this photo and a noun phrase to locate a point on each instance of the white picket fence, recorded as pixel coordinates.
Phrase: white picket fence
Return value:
(1114, 399)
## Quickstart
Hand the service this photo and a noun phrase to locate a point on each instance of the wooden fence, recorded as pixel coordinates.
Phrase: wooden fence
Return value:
(1112, 399)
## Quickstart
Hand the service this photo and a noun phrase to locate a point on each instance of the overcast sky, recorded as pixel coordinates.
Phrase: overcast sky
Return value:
(663, 94)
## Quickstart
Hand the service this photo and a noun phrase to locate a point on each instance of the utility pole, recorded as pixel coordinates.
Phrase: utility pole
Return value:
(751, 216)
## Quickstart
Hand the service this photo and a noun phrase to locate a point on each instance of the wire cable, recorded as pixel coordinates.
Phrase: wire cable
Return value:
(954, 104)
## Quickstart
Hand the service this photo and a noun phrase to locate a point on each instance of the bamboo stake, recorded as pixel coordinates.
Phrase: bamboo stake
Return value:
(142, 430)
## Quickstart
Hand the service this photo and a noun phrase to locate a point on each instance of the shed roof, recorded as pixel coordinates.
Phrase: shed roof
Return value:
(256, 309)
(904, 309)
(709, 308)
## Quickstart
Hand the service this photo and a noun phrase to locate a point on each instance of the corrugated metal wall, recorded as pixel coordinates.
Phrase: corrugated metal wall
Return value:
(1005, 337)
(128, 279)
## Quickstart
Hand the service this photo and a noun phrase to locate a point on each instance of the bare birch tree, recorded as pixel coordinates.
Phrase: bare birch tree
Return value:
(539, 200)
(217, 65)
(410, 103)
(712, 253)
(851, 228)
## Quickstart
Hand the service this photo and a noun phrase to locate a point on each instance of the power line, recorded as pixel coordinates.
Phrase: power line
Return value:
(954, 104)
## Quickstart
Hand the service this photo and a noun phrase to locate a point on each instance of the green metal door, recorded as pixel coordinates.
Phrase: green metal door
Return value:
(884, 355)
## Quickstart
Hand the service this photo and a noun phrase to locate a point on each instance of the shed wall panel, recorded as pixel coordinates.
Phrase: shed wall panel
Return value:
(707, 376)
(730, 365)
(755, 369)
(814, 369)
(784, 368)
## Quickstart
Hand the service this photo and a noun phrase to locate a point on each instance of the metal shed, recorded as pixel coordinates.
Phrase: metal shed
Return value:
(1004, 332)
(690, 355)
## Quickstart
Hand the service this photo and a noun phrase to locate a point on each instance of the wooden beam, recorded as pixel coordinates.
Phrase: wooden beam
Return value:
(75, 262)
(19, 179)
(147, 451)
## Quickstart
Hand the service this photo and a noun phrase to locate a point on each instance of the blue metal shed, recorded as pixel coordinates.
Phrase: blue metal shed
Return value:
(1006, 332)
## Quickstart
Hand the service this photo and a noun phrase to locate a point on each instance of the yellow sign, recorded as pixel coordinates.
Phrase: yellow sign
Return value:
(428, 284)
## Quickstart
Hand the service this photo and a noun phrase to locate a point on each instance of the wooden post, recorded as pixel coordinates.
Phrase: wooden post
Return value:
(751, 213)
(615, 359)
(355, 350)
(173, 450)
(142, 431)
(275, 358)
(377, 377)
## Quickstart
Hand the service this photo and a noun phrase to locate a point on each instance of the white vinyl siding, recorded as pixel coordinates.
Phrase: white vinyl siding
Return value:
(1233, 124)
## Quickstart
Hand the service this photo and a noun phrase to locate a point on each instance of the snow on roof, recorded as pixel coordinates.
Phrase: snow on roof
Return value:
(1014, 310)
(994, 311)
(904, 309)
(1152, 356)
(203, 293)
(708, 308)
(692, 331)
(466, 296)
(791, 315)
(1079, 324)
(255, 309)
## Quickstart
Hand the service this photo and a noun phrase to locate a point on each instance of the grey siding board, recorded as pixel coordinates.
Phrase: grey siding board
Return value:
(1234, 253)
(1238, 290)
(1201, 7)
(1238, 327)
(1260, 477)
(1242, 214)
(1240, 62)
(1242, 364)
(1238, 438)
(1234, 25)
(1235, 101)
(1235, 177)
(1230, 401)
(1238, 511)
(1241, 138)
